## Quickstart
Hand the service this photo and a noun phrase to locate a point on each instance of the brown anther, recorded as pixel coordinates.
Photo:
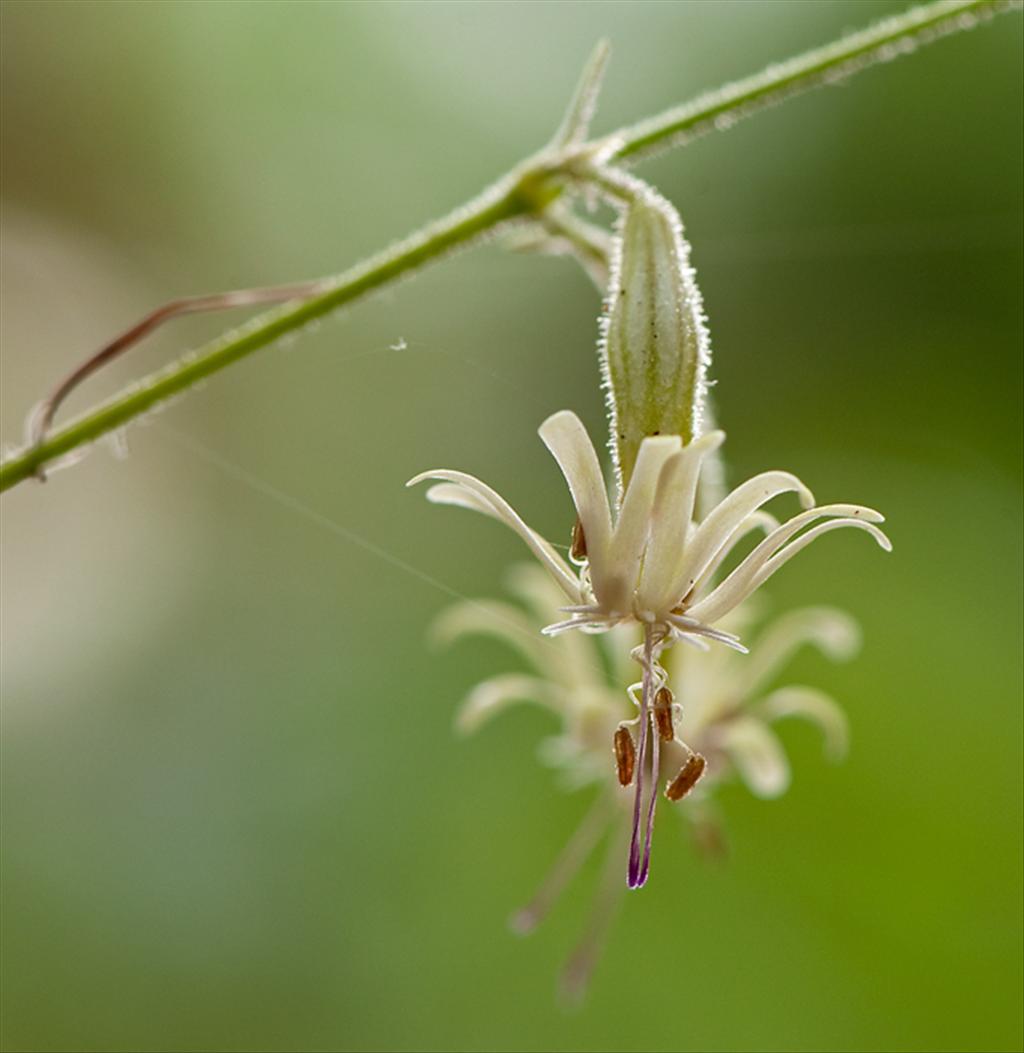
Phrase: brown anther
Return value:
(688, 777)
(625, 755)
(578, 547)
(663, 714)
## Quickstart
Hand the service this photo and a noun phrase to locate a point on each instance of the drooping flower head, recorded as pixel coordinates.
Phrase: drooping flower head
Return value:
(652, 566)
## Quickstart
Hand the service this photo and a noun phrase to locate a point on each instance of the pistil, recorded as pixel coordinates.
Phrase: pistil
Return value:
(648, 755)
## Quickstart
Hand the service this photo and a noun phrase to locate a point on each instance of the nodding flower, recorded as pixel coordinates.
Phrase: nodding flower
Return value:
(651, 565)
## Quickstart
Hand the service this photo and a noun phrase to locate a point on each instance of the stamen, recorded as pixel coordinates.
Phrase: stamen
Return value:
(688, 777)
(663, 702)
(625, 755)
(578, 545)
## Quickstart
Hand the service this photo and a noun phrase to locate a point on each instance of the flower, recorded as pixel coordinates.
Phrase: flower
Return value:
(651, 566)
(726, 709)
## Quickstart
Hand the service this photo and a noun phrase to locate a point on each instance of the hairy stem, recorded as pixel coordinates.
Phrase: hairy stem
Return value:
(526, 192)
(882, 42)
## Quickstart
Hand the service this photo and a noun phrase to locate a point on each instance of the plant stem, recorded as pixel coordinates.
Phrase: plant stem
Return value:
(882, 42)
(527, 191)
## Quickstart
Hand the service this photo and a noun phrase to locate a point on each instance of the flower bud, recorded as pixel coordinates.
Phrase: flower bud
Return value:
(655, 345)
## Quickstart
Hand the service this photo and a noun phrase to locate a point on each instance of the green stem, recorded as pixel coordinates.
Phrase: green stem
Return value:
(525, 192)
(883, 41)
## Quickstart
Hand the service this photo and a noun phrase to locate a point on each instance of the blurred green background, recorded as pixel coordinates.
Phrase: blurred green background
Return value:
(235, 815)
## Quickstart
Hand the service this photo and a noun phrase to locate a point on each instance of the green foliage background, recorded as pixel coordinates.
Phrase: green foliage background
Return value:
(234, 812)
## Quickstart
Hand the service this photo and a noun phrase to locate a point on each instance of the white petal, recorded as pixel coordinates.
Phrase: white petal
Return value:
(564, 435)
(670, 521)
(832, 631)
(812, 705)
(781, 534)
(492, 696)
(759, 520)
(479, 494)
(459, 497)
(766, 559)
(634, 522)
(757, 755)
(713, 534)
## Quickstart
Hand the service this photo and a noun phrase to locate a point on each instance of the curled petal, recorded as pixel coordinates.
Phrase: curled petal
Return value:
(459, 497)
(480, 497)
(759, 520)
(714, 533)
(769, 557)
(564, 435)
(812, 705)
(490, 697)
(757, 755)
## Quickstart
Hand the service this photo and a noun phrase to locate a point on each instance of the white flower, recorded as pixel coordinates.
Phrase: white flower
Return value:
(651, 565)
